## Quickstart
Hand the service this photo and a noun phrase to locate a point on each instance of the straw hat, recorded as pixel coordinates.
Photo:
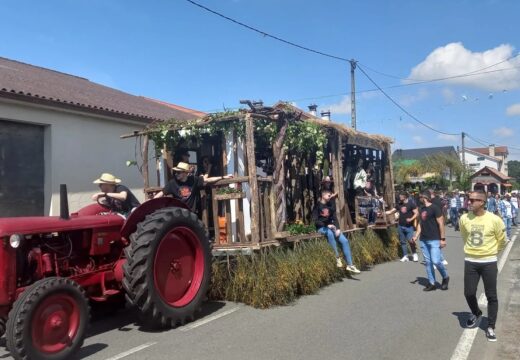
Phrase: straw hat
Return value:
(107, 178)
(182, 167)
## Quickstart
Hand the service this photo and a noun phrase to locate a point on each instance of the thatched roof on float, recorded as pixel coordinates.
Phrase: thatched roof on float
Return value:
(351, 136)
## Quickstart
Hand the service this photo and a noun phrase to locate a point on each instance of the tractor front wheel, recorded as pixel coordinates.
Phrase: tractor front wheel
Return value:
(168, 267)
(48, 320)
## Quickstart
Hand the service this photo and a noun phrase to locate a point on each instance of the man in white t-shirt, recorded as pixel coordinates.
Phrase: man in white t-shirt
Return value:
(514, 202)
(506, 212)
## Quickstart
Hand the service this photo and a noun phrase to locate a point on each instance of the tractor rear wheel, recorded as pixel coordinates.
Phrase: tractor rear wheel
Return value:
(168, 267)
(48, 320)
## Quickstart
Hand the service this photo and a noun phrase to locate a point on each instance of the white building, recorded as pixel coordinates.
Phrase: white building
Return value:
(494, 157)
(477, 160)
(57, 128)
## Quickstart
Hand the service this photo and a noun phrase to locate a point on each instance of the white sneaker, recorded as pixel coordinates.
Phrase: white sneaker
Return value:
(339, 263)
(353, 269)
(415, 257)
(445, 262)
(404, 259)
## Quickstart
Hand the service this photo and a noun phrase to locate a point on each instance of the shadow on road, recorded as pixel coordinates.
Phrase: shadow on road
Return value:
(421, 281)
(88, 350)
(463, 316)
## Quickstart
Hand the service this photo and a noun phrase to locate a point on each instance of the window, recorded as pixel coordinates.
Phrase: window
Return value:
(481, 158)
(474, 164)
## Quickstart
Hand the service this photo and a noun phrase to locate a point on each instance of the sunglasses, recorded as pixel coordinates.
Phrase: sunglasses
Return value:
(472, 200)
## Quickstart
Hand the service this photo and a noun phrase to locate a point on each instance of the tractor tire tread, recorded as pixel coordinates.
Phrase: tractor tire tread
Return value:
(21, 310)
(137, 282)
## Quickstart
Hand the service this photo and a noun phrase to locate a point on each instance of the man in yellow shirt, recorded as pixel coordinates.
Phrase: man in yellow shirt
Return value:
(484, 236)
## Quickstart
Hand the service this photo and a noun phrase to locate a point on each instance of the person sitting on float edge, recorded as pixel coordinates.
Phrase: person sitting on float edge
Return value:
(324, 216)
(116, 196)
(184, 187)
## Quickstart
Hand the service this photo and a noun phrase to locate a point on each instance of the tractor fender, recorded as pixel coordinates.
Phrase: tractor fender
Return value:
(147, 208)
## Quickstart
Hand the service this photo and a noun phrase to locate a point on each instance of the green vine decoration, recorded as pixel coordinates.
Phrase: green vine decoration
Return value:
(303, 138)
(307, 140)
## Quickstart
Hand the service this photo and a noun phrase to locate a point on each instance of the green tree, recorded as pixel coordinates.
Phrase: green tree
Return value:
(513, 167)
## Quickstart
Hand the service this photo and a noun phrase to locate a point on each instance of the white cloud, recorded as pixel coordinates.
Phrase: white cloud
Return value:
(342, 107)
(454, 59)
(409, 99)
(448, 95)
(513, 110)
(408, 125)
(445, 137)
(503, 132)
(417, 139)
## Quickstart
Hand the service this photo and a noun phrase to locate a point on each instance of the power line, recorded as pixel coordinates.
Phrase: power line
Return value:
(487, 142)
(287, 42)
(402, 108)
(263, 33)
(421, 80)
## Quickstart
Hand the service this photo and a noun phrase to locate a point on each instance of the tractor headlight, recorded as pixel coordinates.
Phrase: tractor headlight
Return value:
(15, 240)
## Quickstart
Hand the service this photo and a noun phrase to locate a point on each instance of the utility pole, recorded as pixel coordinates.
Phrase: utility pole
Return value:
(463, 150)
(353, 92)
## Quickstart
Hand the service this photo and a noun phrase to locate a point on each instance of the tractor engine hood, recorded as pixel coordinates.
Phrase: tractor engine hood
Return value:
(50, 224)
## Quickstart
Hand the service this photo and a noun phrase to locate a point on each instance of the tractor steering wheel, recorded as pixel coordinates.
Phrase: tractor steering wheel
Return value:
(105, 204)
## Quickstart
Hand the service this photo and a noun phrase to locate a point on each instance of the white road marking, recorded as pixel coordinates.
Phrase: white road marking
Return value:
(468, 335)
(208, 319)
(132, 351)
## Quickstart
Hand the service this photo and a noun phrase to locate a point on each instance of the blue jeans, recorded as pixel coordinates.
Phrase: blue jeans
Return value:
(507, 223)
(405, 235)
(432, 256)
(454, 218)
(331, 237)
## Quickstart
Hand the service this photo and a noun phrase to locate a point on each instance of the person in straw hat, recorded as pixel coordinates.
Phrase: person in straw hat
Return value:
(185, 187)
(118, 197)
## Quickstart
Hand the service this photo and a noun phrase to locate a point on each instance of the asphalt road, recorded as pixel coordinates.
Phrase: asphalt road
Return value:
(381, 314)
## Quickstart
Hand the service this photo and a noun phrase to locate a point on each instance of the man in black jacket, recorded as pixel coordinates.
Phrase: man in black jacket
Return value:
(324, 216)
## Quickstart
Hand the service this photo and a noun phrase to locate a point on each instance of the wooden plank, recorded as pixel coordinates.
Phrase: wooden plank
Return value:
(214, 204)
(146, 176)
(239, 215)
(168, 164)
(251, 171)
(272, 211)
(339, 186)
(229, 232)
(267, 212)
(388, 185)
(338, 177)
(204, 206)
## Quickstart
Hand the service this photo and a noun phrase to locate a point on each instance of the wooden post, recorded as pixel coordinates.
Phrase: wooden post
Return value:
(169, 164)
(253, 182)
(278, 186)
(226, 204)
(338, 179)
(239, 213)
(146, 178)
(388, 187)
(347, 218)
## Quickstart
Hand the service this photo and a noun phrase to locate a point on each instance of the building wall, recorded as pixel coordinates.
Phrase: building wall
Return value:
(473, 161)
(77, 149)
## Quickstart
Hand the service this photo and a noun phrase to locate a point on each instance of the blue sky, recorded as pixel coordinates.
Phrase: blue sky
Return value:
(174, 51)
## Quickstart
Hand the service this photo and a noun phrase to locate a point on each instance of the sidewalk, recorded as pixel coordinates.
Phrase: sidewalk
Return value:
(509, 325)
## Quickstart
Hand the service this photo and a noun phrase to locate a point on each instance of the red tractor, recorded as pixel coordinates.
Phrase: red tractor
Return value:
(53, 268)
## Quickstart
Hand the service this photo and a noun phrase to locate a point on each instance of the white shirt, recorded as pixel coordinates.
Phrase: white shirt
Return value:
(453, 202)
(509, 213)
(360, 181)
(514, 202)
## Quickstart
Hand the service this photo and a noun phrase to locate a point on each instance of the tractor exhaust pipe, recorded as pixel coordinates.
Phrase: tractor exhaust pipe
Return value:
(64, 203)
